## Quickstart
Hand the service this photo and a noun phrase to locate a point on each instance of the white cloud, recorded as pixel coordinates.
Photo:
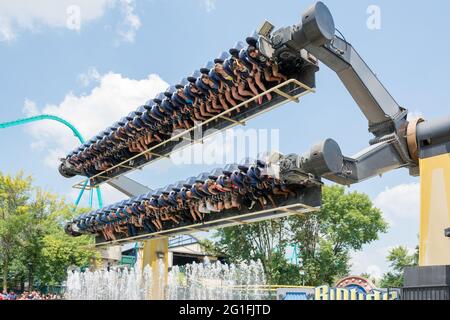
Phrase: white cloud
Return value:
(111, 195)
(131, 23)
(30, 108)
(368, 261)
(114, 97)
(362, 262)
(25, 15)
(400, 202)
(92, 75)
(209, 5)
(374, 271)
(31, 15)
(400, 206)
(6, 32)
(52, 157)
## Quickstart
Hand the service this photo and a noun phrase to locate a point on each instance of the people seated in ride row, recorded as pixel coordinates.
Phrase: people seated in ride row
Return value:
(229, 80)
(234, 187)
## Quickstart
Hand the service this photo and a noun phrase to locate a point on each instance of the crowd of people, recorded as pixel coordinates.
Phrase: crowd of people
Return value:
(236, 187)
(33, 295)
(232, 78)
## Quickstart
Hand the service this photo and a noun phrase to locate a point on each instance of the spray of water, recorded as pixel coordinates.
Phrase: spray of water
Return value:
(197, 281)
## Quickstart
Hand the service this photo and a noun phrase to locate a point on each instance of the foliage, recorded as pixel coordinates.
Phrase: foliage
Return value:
(345, 222)
(399, 259)
(371, 278)
(33, 245)
(14, 194)
(265, 241)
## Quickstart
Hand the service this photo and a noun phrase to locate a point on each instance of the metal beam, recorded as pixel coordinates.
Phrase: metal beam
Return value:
(128, 186)
(375, 102)
(316, 35)
(247, 218)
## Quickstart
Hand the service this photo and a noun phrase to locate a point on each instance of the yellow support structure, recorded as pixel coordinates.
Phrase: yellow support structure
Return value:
(434, 247)
(154, 251)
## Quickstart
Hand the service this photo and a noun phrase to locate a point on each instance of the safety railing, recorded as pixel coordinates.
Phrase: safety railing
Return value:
(102, 177)
(257, 291)
(242, 219)
(182, 240)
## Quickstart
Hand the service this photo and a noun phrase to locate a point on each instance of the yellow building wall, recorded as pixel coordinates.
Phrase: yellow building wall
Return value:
(434, 247)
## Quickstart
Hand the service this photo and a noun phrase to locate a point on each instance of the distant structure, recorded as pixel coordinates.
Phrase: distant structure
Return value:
(183, 249)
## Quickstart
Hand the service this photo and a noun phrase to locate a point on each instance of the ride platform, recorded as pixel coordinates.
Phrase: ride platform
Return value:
(308, 200)
(288, 91)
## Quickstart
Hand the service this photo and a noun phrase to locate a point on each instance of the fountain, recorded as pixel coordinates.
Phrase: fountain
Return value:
(196, 281)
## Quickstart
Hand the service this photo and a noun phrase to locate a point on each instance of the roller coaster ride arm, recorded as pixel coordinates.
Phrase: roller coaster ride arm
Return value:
(389, 150)
(316, 35)
(376, 103)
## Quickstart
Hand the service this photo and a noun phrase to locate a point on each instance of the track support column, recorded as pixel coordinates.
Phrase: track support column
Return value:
(155, 254)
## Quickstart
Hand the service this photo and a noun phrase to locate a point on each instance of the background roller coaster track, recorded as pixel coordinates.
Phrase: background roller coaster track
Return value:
(76, 133)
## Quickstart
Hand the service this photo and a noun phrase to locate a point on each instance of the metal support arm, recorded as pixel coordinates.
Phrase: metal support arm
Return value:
(370, 162)
(387, 120)
(316, 35)
(376, 103)
(128, 186)
(325, 160)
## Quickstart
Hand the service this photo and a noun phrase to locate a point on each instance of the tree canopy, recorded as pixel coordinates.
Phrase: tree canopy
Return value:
(35, 249)
(399, 258)
(33, 245)
(345, 222)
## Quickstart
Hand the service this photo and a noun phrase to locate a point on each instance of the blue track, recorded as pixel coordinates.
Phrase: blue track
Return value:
(76, 133)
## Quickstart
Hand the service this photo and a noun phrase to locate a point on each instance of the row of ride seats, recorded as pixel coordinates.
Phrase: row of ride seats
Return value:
(233, 77)
(249, 185)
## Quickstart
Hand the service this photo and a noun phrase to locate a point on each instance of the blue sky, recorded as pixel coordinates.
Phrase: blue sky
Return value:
(125, 51)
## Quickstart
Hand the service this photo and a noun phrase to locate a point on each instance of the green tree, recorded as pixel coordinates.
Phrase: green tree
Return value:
(265, 241)
(14, 194)
(61, 251)
(32, 233)
(399, 259)
(33, 245)
(345, 222)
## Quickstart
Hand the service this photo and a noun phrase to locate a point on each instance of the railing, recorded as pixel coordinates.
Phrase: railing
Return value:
(278, 212)
(258, 291)
(125, 164)
(182, 240)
